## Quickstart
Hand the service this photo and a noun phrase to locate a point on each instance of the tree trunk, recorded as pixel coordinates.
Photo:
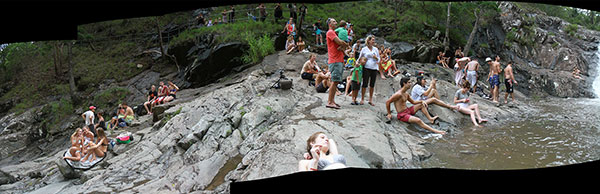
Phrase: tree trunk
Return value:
(56, 75)
(470, 41)
(72, 86)
(162, 51)
(446, 39)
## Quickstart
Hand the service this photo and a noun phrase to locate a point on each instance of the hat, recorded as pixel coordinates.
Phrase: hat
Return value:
(92, 107)
(488, 59)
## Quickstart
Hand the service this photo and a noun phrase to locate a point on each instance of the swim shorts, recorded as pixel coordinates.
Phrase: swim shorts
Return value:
(321, 88)
(509, 86)
(336, 69)
(406, 113)
(472, 77)
(495, 81)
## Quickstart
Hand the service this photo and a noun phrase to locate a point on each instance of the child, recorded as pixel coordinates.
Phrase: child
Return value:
(356, 77)
(342, 34)
(350, 62)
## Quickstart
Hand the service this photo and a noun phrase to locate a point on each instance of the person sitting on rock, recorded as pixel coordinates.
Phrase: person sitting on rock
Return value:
(290, 45)
(98, 148)
(301, 44)
(322, 154)
(387, 64)
(421, 92)
(129, 114)
(406, 114)
(442, 60)
(152, 94)
(116, 120)
(310, 69)
(323, 81)
(461, 98)
(88, 137)
(163, 92)
(101, 124)
(172, 92)
(350, 61)
(76, 145)
(577, 73)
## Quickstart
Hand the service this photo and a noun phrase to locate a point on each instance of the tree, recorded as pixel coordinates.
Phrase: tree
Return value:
(446, 39)
(72, 86)
(162, 50)
(477, 13)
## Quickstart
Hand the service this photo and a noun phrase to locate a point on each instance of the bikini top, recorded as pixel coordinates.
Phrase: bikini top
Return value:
(338, 158)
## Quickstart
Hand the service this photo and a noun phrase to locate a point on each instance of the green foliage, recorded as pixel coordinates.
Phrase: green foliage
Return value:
(571, 29)
(227, 32)
(259, 48)
(110, 97)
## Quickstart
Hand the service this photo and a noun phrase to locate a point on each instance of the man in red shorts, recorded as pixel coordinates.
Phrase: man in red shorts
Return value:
(406, 114)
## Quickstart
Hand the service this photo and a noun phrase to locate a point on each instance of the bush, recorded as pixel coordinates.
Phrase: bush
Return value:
(259, 48)
(571, 29)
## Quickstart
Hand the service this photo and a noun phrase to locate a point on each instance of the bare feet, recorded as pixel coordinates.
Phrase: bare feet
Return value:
(383, 77)
(440, 132)
(371, 103)
(432, 120)
(482, 120)
(362, 102)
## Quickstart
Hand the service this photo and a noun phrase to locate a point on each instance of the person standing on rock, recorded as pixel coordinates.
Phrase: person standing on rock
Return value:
(322, 154)
(262, 12)
(494, 78)
(335, 61)
(459, 71)
(278, 13)
(472, 68)
(406, 114)
(461, 98)
(318, 37)
(509, 80)
(371, 68)
(88, 118)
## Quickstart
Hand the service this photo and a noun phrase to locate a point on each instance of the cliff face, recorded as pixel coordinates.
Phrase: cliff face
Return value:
(544, 51)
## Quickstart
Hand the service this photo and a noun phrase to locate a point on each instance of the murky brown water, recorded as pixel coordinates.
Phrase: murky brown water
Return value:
(567, 131)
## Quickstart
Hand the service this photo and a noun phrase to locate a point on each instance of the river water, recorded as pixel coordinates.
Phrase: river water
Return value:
(566, 131)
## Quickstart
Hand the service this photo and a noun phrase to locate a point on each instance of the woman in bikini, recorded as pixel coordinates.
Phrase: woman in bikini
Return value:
(76, 145)
(322, 154)
(172, 92)
(97, 149)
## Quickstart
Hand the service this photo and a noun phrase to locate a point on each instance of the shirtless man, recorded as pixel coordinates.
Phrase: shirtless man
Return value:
(310, 69)
(406, 114)
(472, 68)
(509, 80)
(494, 77)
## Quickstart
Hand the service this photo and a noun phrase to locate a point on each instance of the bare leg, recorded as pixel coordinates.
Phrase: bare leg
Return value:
(362, 99)
(371, 95)
(506, 98)
(471, 113)
(476, 108)
(381, 72)
(512, 95)
(422, 124)
(332, 91)
(348, 80)
(426, 113)
(439, 102)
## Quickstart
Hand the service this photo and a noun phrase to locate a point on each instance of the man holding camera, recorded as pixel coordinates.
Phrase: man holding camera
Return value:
(421, 92)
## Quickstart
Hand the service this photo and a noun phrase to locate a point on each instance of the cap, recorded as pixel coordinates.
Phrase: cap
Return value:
(92, 107)
(488, 59)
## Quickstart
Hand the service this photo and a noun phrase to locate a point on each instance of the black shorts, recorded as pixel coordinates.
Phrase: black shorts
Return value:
(369, 77)
(321, 88)
(173, 95)
(509, 87)
(354, 86)
(93, 129)
(307, 76)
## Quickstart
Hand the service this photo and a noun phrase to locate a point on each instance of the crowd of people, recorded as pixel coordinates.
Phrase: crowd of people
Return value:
(90, 142)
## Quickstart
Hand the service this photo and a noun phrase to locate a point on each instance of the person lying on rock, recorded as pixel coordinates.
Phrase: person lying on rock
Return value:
(421, 92)
(322, 154)
(406, 114)
(461, 98)
(172, 92)
(310, 70)
(76, 146)
(152, 94)
(98, 148)
(577, 73)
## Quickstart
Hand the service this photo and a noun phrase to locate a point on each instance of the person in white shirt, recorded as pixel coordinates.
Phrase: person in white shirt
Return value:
(371, 68)
(88, 117)
(421, 92)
